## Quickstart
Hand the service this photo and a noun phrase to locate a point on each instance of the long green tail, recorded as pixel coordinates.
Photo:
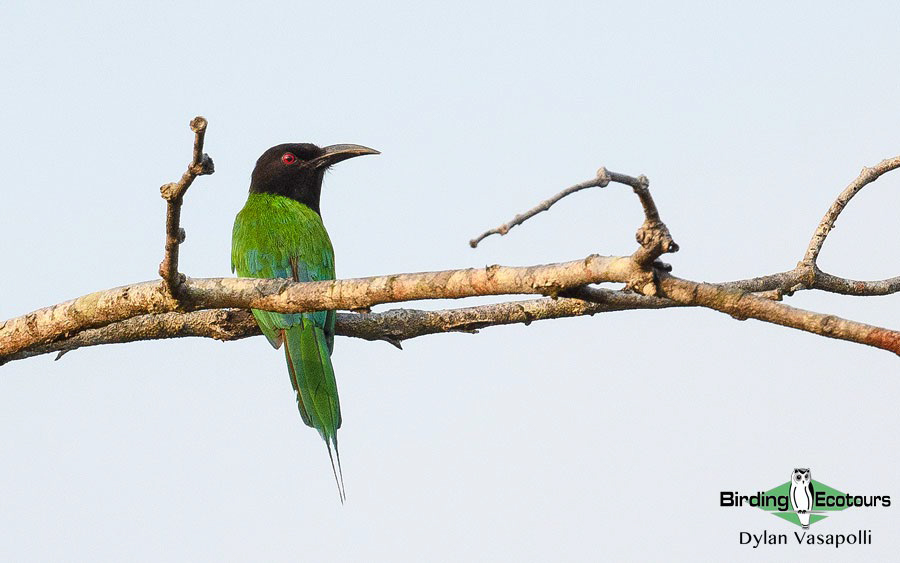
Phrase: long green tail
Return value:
(312, 376)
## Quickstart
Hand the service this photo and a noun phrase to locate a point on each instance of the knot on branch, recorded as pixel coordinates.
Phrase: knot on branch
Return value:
(644, 282)
(169, 191)
(655, 240)
(171, 281)
(808, 272)
(230, 324)
(644, 182)
(655, 235)
(603, 177)
(203, 168)
(829, 324)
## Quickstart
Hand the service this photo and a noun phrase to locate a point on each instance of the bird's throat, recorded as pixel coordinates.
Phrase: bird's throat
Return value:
(307, 190)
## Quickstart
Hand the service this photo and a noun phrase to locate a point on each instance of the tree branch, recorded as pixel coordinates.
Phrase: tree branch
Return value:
(177, 306)
(201, 164)
(393, 326)
(653, 236)
(743, 305)
(601, 180)
(866, 177)
(99, 309)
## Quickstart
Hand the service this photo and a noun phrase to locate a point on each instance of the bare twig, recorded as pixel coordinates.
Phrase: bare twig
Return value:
(835, 284)
(866, 177)
(393, 326)
(601, 180)
(201, 164)
(799, 279)
(653, 236)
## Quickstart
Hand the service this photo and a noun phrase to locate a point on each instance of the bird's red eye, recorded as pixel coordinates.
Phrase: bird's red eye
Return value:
(288, 158)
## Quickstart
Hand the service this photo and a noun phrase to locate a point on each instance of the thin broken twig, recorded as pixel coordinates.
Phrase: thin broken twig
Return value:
(201, 164)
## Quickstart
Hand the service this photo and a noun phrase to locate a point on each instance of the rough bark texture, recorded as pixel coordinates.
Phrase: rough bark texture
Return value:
(177, 306)
(393, 326)
(743, 305)
(102, 308)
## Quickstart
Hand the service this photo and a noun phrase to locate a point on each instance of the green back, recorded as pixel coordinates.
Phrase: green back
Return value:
(278, 237)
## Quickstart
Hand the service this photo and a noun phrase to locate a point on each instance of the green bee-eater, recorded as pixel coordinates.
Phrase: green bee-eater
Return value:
(279, 234)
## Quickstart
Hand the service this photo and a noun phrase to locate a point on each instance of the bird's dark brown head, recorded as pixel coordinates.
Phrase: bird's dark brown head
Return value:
(296, 170)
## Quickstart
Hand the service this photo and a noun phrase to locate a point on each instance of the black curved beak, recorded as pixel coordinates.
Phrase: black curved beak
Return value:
(336, 153)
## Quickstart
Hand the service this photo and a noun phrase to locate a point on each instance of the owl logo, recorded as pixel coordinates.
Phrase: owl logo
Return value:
(802, 495)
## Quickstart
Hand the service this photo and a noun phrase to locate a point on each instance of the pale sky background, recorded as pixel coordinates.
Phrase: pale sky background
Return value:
(580, 439)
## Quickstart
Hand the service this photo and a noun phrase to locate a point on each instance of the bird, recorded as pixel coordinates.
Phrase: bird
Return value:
(802, 495)
(279, 233)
